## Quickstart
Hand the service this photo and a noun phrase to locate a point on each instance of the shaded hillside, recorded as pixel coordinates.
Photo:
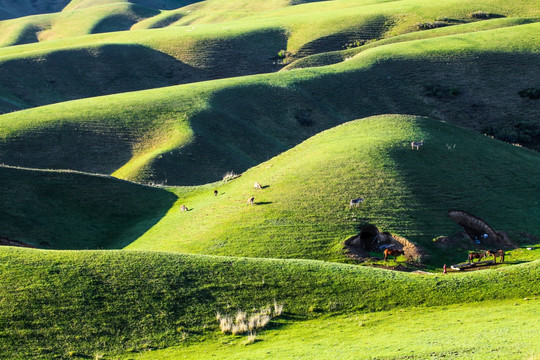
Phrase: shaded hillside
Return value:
(116, 65)
(148, 300)
(303, 211)
(70, 210)
(462, 79)
(17, 8)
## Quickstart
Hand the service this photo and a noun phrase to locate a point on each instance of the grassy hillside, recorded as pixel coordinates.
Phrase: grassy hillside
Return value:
(304, 212)
(197, 49)
(333, 57)
(173, 134)
(70, 210)
(399, 334)
(93, 20)
(144, 300)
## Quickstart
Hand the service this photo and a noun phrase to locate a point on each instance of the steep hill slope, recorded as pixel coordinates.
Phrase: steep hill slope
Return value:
(146, 300)
(70, 210)
(304, 210)
(173, 134)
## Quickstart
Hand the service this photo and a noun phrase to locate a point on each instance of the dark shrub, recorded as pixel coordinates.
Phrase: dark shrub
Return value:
(484, 15)
(304, 118)
(531, 93)
(431, 25)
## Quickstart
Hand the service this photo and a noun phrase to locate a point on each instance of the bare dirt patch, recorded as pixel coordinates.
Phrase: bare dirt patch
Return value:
(371, 239)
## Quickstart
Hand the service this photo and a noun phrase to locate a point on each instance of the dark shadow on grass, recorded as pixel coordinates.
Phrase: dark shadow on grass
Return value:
(263, 202)
(265, 186)
(68, 210)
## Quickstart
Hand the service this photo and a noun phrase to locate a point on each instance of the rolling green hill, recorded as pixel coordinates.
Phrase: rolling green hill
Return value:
(173, 134)
(69, 210)
(132, 133)
(197, 49)
(82, 304)
(304, 212)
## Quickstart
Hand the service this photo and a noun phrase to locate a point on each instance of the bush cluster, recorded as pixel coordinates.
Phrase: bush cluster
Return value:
(431, 25)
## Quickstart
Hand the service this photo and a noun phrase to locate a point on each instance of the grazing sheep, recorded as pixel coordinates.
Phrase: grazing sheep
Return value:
(257, 186)
(215, 192)
(183, 208)
(251, 200)
(355, 202)
(417, 145)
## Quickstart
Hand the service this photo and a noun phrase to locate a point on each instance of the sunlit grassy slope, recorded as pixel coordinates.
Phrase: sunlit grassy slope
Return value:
(70, 210)
(303, 212)
(66, 69)
(82, 304)
(398, 334)
(193, 134)
(97, 19)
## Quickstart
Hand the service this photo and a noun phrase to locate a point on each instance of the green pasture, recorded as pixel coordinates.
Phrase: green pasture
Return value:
(303, 210)
(86, 303)
(464, 331)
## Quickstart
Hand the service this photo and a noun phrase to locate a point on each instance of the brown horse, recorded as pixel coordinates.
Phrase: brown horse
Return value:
(392, 252)
(476, 255)
(495, 254)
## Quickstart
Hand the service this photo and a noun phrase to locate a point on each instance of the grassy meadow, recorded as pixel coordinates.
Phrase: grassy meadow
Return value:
(120, 119)
(141, 301)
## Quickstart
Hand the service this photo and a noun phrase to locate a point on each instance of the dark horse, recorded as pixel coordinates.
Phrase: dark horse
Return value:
(476, 255)
(392, 252)
(495, 254)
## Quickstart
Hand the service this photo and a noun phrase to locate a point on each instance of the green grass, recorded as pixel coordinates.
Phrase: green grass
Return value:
(175, 132)
(92, 20)
(334, 57)
(490, 329)
(304, 213)
(70, 210)
(66, 69)
(57, 302)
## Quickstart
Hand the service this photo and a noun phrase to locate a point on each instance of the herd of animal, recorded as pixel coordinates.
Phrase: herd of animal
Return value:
(484, 254)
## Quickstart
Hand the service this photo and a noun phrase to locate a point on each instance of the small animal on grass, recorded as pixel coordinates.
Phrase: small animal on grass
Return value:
(251, 200)
(215, 192)
(355, 202)
(417, 145)
(392, 252)
(496, 254)
(183, 208)
(476, 255)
